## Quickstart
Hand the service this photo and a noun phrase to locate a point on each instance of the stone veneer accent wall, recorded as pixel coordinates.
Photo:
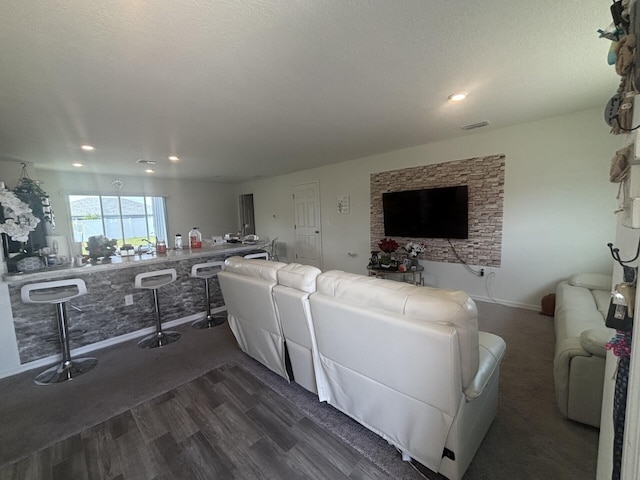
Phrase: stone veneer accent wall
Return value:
(484, 177)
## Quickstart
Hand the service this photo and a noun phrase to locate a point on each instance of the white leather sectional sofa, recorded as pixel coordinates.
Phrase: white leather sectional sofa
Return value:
(582, 303)
(407, 362)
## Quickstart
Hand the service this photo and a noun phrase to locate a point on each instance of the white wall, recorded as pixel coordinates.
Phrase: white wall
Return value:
(211, 206)
(558, 206)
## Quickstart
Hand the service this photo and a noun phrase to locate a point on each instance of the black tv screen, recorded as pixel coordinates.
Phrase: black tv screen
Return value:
(429, 213)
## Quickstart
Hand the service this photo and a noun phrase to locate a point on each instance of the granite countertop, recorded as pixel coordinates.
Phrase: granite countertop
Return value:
(118, 262)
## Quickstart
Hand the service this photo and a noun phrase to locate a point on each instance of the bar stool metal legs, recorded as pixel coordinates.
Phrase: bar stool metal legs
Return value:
(153, 281)
(69, 368)
(206, 271)
(59, 293)
(210, 320)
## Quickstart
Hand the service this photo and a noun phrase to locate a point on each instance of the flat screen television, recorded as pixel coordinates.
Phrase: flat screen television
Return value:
(428, 213)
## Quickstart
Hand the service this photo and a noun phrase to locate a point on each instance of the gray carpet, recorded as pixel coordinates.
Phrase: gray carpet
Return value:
(528, 440)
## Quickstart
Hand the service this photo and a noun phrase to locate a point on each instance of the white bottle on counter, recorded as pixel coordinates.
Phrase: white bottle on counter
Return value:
(178, 241)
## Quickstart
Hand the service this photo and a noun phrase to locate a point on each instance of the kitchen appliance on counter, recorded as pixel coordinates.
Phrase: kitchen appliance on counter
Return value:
(232, 237)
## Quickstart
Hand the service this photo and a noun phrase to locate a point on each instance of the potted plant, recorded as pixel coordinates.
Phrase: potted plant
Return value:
(387, 246)
(100, 246)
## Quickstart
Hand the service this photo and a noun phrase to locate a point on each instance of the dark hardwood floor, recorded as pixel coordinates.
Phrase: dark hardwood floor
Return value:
(223, 425)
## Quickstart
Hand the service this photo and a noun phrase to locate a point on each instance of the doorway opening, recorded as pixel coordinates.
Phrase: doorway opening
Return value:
(247, 218)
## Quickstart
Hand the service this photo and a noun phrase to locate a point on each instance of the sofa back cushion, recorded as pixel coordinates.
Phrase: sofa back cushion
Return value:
(263, 269)
(592, 281)
(300, 277)
(423, 304)
(295, 283)
(247, 288)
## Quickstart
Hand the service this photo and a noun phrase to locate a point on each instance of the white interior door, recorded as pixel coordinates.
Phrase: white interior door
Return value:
(308, 233)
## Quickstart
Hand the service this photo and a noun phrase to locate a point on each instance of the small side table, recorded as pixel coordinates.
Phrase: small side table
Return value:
(415, 272)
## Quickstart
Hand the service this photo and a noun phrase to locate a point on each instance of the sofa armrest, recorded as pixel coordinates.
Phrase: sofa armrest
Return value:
(492, 349)
(594, 339)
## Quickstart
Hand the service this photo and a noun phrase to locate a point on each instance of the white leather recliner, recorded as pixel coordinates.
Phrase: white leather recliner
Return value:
(408, 363)
(295, 283)
(247, 287)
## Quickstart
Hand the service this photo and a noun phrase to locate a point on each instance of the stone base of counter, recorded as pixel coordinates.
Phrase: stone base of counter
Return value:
(104, 314)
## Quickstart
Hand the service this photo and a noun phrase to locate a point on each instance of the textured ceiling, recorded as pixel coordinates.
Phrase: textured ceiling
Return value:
(248, 88)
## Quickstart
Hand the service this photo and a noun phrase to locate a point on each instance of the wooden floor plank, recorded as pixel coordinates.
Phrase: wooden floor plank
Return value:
(74, 467)
(177, 420)
(345, 459)
(225, 425)
(37, 465)
(235, 394)
(273, 426)
(205, 461)
(313, 463)
(149, 421)
(244, 378)
(120, 424)
(208, 389)
(174, 456)
(366, 470)
(101, 452)
(271, 461)
(233, 424)
(235, 457)
(136, 457)
(66, 448)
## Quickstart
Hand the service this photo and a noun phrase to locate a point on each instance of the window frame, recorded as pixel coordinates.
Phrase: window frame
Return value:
(149, 217)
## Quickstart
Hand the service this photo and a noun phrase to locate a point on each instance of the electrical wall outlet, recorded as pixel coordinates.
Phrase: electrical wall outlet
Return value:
(128, 299)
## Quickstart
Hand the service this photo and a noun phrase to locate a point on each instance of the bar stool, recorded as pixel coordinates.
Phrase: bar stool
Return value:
(263, 255)
(59, 292)
(207, 271)
(153, 281)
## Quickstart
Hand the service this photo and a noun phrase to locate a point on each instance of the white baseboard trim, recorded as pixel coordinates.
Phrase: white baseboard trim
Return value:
(506, 303)
(52, 359)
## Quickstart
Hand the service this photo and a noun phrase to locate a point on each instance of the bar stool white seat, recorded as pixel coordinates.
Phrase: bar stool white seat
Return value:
(59, 292)
(153, 281)
(207, 271)
(263, 255)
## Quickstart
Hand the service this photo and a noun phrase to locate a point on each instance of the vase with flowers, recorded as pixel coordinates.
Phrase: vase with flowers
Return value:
(414, 249)
(387, 246)
(17, 221)
(101, 247)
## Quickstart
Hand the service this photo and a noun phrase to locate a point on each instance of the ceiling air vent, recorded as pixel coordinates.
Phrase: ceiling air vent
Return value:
(146, 162)
(476, 125)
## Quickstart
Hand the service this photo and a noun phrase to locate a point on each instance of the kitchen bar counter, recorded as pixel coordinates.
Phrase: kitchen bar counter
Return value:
(104, 313)
(117, 262)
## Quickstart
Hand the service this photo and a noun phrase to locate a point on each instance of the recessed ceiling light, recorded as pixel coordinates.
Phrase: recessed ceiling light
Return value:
(148, 170)
(173, 158)
(146, 162)
(87, 148)
(457, 97)
(77, 164)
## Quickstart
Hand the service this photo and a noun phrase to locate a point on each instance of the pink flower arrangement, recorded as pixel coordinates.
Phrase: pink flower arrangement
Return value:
(388, 245)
